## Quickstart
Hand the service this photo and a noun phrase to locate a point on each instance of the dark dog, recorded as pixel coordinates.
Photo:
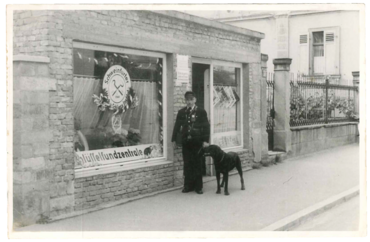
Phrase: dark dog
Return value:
(224, 162)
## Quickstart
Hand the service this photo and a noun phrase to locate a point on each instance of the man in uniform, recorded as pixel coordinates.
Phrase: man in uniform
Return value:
(194, 135)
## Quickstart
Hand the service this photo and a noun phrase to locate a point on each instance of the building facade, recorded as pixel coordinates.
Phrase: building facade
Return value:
(95, 98)
(320, 43)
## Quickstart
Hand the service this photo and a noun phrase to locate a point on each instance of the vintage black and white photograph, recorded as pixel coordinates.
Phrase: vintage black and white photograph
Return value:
(146, 118)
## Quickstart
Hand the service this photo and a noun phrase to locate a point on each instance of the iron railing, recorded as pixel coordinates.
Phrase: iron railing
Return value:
(317, 102)
(334, 79)
(270, 109)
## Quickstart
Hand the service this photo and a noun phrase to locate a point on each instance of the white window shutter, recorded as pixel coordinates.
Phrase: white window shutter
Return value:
(332, 41)
(303, 53)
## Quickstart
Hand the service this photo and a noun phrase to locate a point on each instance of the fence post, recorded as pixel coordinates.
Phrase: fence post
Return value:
(282, 133)
(356, 83)
(326, 98)
(264, 150)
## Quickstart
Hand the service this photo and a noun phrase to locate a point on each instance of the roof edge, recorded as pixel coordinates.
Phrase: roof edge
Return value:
(271, 15)
(210, 23)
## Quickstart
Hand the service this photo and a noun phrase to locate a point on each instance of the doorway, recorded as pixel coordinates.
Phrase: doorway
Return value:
(201, 88)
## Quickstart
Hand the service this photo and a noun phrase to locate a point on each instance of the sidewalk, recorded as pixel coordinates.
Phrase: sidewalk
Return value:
(272, 193)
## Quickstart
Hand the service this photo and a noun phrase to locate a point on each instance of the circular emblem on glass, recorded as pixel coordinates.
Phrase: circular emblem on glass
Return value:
(116, 83)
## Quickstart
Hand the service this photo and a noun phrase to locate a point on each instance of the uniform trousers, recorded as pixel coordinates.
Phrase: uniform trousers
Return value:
(192, 165)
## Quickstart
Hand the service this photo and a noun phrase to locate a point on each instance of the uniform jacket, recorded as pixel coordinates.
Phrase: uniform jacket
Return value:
(194, 123)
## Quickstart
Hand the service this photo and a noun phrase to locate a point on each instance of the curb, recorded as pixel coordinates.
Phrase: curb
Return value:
(298, 218)
(127, 200)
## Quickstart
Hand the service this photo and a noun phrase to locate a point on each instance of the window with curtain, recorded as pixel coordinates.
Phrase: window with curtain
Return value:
(226, 106)
(104, 133)
(318, 52)
(318, 43)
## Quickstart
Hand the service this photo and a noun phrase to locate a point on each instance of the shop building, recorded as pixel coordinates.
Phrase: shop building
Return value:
(96, 94)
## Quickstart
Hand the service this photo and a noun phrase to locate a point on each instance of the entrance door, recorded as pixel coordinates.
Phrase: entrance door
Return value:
(201, 88)
(218, 86)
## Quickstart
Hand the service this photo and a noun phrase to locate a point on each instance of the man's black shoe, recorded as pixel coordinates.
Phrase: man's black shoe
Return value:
(185, 190)
(199, 191)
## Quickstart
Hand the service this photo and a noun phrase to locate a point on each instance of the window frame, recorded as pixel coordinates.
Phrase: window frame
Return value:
(325, 30)
(129, 165)
(212, 63)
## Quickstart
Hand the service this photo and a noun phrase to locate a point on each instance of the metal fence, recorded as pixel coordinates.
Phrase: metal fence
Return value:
(317, 102)
(270, 109)
(334, 79)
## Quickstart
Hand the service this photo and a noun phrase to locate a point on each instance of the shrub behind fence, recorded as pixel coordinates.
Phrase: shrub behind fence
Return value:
(317, 102)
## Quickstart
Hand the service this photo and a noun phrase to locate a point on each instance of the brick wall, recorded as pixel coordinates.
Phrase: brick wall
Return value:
(51, 34)
(40, 33)
(95, 190)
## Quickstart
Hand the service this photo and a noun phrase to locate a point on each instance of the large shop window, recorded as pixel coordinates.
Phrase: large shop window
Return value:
(226, 123)
(118, 106)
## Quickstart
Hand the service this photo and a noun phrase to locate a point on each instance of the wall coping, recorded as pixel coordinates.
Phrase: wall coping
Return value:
(282, 61)
(31, 58)
(211, 23)
(317, 126)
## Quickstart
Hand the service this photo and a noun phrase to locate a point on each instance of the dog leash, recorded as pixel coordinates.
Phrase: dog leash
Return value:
(200, 150)
(223, 155)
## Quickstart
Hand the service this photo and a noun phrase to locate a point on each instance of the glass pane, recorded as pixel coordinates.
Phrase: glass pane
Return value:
(318, 37)
(119, 115)
(226, 106)
(318, 50)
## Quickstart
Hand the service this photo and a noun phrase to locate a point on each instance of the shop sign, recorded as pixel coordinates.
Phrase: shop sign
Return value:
(93, 158)
(182, 69)
(116, 84)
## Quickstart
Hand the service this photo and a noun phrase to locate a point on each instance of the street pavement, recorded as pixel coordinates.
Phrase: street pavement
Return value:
(343, 217)
(272, 193)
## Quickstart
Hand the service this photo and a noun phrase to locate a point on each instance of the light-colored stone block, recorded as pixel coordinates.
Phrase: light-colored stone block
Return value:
(16, 96)
(36, 136)
(52, 84)
(41, 148)
(61, 202)
(321, 133)
(34, 163)
(27, 151)
(34, 83)
(26, 124)
(256, 143)
(35, 97)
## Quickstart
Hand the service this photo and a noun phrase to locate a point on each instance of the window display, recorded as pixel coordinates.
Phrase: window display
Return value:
(226, 106)
(118, 107)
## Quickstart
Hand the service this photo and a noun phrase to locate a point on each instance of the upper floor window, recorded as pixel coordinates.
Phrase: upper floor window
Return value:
(320, 54)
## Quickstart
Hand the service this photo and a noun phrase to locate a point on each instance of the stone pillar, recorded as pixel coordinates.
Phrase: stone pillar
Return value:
(282, 133)
(264, 136)
(257, 128)
(356, 83)
(31, 138)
